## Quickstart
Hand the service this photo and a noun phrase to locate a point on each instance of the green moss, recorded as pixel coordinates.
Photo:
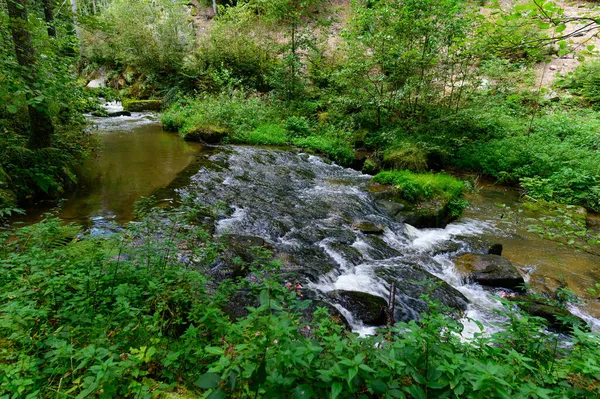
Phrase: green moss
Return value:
(269, 134)
(210, 134)
(141, 105)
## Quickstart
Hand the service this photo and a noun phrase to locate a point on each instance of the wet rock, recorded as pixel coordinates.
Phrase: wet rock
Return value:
(426, 214)
(141, 105)
(241, 252)
(118, 113)
(370, 309)
(371, 166)
(209, 134)
(411, 282)
(558, 318)
(495, 249)
(490, 270)
(366, 227)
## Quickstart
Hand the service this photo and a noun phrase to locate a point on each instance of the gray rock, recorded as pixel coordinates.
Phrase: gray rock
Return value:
(491, 271)
(370, 309)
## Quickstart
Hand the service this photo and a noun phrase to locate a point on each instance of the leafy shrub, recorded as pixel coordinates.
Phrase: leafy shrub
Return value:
(297, 126)
(585, 81)
(126, 316)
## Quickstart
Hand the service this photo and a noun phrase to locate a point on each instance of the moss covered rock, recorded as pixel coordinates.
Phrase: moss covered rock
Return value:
(141, 105)
(209, 134)
(407, 157)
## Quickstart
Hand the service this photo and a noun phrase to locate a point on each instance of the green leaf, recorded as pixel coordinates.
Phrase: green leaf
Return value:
(416, 392)
(264, 297)
(352, 373)
(379, 387)
(591, 47)
(303, 391)
(213, 350)
(336, 389)
(218, 394)
(561, 28)
(208, 381)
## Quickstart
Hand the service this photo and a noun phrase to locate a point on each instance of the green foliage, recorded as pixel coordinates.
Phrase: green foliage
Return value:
(423, 186)
(130, 316)
(406, 155)
(297, 126)
(585, 81)
(152, 37)
(334, 148)
(270, 134)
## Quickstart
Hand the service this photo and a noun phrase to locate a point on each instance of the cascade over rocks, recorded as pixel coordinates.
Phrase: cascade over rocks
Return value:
(324, 226)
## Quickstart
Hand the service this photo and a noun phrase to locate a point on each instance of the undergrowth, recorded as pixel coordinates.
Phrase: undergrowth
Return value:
(135, 315)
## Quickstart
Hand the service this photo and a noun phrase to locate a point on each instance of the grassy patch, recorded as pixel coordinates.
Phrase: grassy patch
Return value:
(270, 134)
(335, 149)
(422, 186)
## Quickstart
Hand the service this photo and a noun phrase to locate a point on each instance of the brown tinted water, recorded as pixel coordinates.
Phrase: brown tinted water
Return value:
(546, 263)
(135, 157)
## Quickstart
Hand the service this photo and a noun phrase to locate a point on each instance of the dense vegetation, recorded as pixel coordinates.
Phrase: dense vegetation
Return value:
(420, 88)
(132, 316)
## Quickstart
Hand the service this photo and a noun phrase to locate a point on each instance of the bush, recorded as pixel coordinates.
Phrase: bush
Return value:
(585, 81)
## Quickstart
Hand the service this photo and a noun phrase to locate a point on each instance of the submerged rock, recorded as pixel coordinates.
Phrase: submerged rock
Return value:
(369, 308)
(491, 271)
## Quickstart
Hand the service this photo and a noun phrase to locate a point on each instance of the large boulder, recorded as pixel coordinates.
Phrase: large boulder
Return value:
(411, 282)
(141, 105)
(426, 214)
(209, 134)
(490, 270)
(369, 308)
(366, 227)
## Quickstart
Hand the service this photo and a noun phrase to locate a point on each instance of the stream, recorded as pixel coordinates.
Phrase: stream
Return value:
(307, 209)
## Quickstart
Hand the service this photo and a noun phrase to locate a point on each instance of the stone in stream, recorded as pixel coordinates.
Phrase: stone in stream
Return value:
(411, 282)
(141, 105)
(209, 134)
(369, 308)
(119, 113)
(490, 270)
(426, 214)
(366, 227)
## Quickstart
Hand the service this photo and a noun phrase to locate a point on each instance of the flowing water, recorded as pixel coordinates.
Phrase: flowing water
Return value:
(307, 210)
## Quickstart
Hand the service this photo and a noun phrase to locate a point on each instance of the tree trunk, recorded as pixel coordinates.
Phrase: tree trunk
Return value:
(41, 124)
(215, 7)
(49, 16)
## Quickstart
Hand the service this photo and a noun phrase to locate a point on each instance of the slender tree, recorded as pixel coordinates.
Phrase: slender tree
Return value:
(41, 123)
(49, 16)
